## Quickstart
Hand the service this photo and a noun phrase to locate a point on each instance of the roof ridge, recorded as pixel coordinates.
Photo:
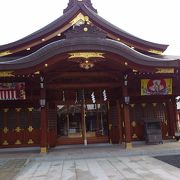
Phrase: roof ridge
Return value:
(72, 3)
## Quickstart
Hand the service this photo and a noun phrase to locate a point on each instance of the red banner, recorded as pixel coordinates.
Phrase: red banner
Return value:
(12, 91)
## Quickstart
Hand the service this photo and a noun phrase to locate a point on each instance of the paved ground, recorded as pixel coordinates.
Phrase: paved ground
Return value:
(173, 160)
(90, 163)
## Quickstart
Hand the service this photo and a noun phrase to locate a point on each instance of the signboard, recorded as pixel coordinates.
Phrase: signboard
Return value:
(156, 87)
(12, 91)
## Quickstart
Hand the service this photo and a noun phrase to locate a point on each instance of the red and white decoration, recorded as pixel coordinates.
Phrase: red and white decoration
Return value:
(12, 91)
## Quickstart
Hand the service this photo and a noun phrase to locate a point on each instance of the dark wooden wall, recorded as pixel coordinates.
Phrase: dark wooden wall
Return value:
(19, 127)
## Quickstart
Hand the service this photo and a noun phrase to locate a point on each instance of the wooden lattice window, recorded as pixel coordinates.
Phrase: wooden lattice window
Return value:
(24, 119)
(36, 119)
(1, 119)
(11, 119)
(138, 113)
(161, 112)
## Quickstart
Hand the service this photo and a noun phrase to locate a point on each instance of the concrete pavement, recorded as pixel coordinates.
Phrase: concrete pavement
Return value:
(99, 162)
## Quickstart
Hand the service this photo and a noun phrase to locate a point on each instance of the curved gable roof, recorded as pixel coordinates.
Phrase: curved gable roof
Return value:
(87, 44)
(84, 7)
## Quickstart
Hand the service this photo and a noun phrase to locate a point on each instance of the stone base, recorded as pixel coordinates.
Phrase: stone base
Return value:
(128, 145)
(44, 149)
(85, 142)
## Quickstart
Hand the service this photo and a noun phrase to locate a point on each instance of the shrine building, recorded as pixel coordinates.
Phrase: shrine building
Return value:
(82, 80)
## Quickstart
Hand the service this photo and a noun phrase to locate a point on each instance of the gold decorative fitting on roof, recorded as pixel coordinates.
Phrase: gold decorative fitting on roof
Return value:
(85, 29)
(154, 104)
(164, 104)
(5, 143)
(5, 53)
(165, 70)
(30, 109)
(18, 142)
(134, 136)
(6, 74)
(6, 110)
(155, 51)
(18, 129)
(30, 141)
(37, 72)
(30, 128)
(80, 17)
(18, 109)
(86, 55)
(134, 70)
(44, 150)
(5, 130)
(133, 124)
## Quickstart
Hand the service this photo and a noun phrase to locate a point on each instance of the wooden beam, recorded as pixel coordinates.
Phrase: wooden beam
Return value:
(84, 85)
(57, 75)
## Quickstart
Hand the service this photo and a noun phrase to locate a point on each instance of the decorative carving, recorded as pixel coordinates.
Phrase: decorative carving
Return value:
(85, 30)
(18, 142)
(132, 105)
(6, 74)
(165, 70)
(30, 141)
(86, 55)
(134, 136)
(133, 124)
(155, 51)
(80, 18)
(30, 109)
(5, 53)
(5, 130)
(143, 104)
(5, 143)
(30, 128)
(18, 129)
(86, 60)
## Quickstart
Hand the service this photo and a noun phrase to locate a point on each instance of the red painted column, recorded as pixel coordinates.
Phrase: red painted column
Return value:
(119, 122)
(44, 119)
(127, 123)
(172, 117)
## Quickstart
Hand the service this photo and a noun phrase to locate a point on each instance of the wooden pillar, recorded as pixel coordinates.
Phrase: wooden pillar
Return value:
(172, 117)
(127, 123)
(44, 119)
(83, 114)
(119, 121)
(84, 124)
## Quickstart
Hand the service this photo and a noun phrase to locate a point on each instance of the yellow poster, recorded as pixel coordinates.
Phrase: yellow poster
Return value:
(156, 87)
